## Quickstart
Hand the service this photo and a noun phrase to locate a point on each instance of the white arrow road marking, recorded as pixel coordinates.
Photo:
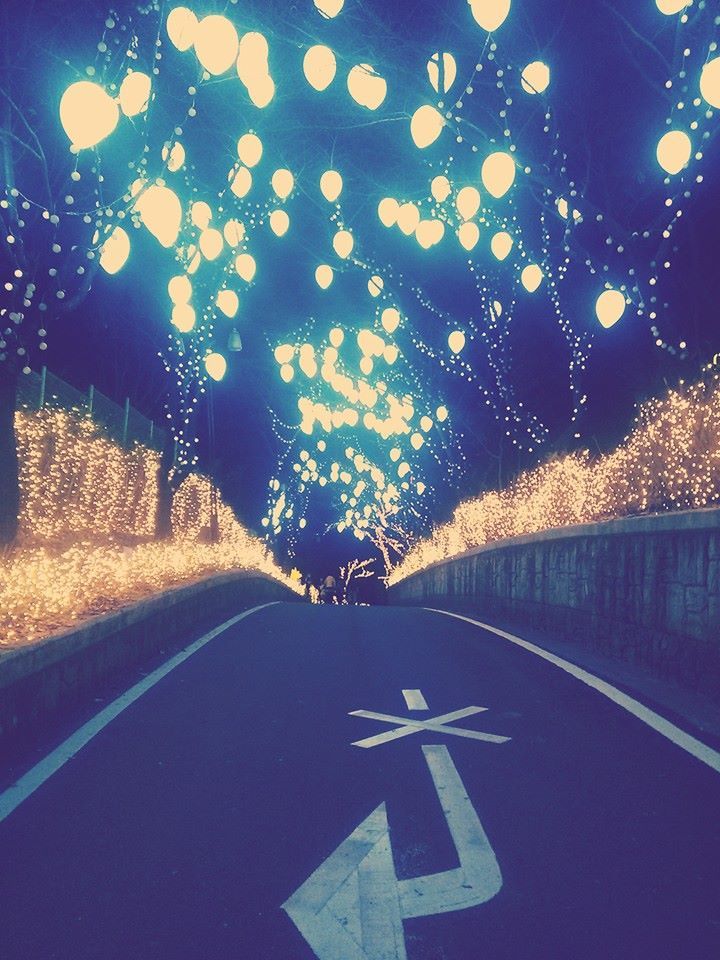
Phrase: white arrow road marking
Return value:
(415, 700)
(353, 905)
(411, 725)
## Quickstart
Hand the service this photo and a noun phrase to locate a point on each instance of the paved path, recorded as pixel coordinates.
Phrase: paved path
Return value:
(238, 809)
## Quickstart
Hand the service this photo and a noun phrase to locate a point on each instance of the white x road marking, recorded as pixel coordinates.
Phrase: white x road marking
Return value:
(412, 725)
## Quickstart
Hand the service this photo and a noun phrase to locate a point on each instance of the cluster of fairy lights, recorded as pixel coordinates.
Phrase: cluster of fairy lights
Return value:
(670, 460)
(508, 252)
(87, 521)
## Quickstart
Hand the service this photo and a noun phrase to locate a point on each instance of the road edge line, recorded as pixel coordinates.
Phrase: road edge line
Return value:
(696, 748)
(36, 776)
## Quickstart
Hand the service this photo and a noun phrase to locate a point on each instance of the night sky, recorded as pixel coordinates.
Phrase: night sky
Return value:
(609, 103)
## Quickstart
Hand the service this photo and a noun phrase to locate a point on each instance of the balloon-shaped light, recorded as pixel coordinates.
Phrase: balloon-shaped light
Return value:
(456, 341)
(426, 126)
(710, 83)
(319, 67)
(669, 7)
(174, 156)
(241, 182)
(250, 149)
(440, 188)
(234, 232)
(674, 151)
(343, 244)
(324, 276)
(216, 44)
(287, 372)
(279, 223)
(390, 319)
(442, 70)
(336, 337)
(498, 173)
(531, 277)
(216, 366)
(201, 214)
(134, 93)
(610, 307)
(408, 218)
(490, 14)
(429, 233)
(467, 202)
(329, 8)
(183, 317)
(181, 27)
(228, 303)
(331, 185)
(442, 414)
(115, 251)
(468, 235)
(245, 267)
(535, 78)
(416, 441)
(388, 210)
(161, 212)
(284, 353)
(366, 87)
(390, 354)
(211, 243)
(501, 245)
(252, 61)
(87, 114)
(376, 285)
(283, 183)
(180, 289)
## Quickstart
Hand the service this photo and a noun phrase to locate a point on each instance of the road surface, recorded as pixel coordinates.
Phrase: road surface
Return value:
(241, 807)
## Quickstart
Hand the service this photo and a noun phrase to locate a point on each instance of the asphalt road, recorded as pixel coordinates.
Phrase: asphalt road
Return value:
(183, 827)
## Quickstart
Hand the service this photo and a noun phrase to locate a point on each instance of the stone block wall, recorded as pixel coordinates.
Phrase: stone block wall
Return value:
(642, 589)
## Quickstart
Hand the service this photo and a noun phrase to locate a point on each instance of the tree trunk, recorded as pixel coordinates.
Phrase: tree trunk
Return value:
(9, 478)
(163, 523)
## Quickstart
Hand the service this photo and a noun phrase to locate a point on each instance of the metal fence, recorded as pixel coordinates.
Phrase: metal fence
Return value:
(123, 423)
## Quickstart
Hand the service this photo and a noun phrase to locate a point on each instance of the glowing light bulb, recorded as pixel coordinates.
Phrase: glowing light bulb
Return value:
(563, 207)
(331, 185)
(161, 212)
(287, 372)
(115, 251)
(674, 151)
(426, 126)
(366, 87)
(216, 44)
(283, 183)
(180, 289)
(134, 93)
(535, 78)
(279, 223)
(408, 218)
(376, 285)
(245, 267)
(609, 307)
(456, 341)
(250, 149)
(262, 91)
(228, 303)
(490, 14)
(440, 188)
(211, 243)
(390, 319)
(329, 8)
(710, 83)
(87, 114)
(183, 317)
(531, 277)
(468, 235)
(181, 26)
(234, 232)
(501, 245)
(174, 156)
(467, 202)
(284, 353)
(241, 182)
(201, 214)
(319, 67)
(498, 173)
(442, 70)
(336, 337)
(216, 366)
(388, 210)
(324, 276)
(442, 414)
(343, 243)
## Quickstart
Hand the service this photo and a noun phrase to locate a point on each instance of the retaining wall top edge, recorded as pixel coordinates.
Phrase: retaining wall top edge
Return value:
(706, 518)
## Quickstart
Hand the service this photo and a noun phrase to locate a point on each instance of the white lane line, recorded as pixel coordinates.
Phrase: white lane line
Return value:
(696, 748)
(11, 798)
(415, 700)
(435, 725)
